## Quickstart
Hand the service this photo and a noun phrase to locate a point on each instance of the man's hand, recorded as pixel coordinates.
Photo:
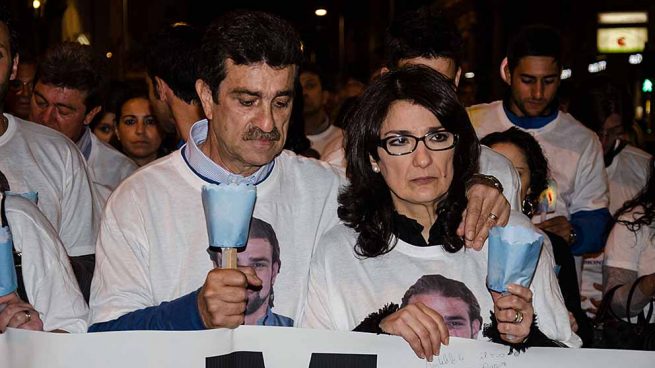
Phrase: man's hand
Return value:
(422, 327)
(558, 225)
(18, 314)
(483, 201)
(514, 313)
(223, 298)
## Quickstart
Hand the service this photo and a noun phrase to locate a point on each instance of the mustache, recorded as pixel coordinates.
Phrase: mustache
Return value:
(254, 133)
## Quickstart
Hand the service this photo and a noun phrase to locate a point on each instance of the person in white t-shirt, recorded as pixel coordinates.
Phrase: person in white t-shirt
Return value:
(630, 252)
(53, 300)
(439, 47)
(325, 138)
(606, 108)
(410, 148)
(574, 153)
(66, 98)
(153, 270)
(43, 162)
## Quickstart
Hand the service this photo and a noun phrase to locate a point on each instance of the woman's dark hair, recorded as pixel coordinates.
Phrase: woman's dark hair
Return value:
(646, 200)
(534, 156)
(365, 204)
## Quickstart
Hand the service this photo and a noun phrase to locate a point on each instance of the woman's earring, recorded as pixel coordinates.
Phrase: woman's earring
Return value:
(376, 168)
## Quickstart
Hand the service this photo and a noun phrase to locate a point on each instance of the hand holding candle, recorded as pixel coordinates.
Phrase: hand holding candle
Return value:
(228, 211)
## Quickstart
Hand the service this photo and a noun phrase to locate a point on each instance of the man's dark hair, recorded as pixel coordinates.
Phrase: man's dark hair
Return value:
(534, 40)
(247, 37)
(448, 288)
(425, 32)
(7, 19)
(643, 205)
(598, 98)
(260, 229)
(4, 183)
(172, 55)
(366, 205)
(534, 156)
(76, 66)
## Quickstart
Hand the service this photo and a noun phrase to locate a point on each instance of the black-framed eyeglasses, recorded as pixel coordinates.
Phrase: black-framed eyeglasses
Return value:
(403, 144)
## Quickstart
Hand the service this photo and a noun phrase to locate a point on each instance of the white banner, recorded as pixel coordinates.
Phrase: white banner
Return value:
(273, 347)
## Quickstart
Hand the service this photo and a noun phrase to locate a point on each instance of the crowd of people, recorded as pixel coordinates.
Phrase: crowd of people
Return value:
(373, 205)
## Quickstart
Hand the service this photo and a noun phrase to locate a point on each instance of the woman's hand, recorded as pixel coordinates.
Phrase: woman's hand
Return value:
(486, 208)
(422, 327)
(18, 314)
(514, 313)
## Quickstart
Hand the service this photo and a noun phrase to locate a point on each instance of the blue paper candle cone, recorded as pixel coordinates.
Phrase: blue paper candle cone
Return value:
(513, 254)
(228, 210)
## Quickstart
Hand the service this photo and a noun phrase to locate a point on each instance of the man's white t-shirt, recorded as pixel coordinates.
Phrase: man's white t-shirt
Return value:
(329, 145)
(345, 288)
(107, 167)
(50, 284)
(575, 157)
(152, 244)
(39, 159)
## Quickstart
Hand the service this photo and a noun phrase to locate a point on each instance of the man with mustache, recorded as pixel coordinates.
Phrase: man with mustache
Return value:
(153, 270)
(575, 156)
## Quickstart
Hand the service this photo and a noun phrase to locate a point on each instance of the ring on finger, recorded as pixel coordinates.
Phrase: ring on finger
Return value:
(518, 318)
(492, 217)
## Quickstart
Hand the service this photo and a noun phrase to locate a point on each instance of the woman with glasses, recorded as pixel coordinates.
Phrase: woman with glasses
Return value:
(410, 149)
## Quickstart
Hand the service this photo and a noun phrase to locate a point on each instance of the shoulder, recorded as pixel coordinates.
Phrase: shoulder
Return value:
(636, 154)
(339, 242)
(40, 136)
(571, 126)
(108, 153)
(308, 169)
(484, 107)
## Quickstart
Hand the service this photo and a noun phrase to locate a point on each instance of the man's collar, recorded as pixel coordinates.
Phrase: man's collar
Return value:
(210, 171)
(85, 144)
(529, 122)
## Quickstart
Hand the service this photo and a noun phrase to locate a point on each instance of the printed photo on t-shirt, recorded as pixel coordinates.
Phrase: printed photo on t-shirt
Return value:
(262, 253)
(452, 299)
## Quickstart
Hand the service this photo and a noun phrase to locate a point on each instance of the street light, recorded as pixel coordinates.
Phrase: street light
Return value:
(36, 4)
(320, 12)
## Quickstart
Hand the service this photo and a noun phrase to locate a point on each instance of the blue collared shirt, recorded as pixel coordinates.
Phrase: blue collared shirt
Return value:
(210, 171)
(85, 144)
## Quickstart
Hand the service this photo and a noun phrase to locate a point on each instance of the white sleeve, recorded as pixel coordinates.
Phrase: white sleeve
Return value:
(50, 284)
(591, 184)
(495, 164)
(79, 207)
(121, 281)
(548, 302)
(623, 247)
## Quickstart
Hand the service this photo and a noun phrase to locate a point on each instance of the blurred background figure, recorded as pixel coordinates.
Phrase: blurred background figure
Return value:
(20, 89)
(103, 124)
(605, 107)
(141, 137)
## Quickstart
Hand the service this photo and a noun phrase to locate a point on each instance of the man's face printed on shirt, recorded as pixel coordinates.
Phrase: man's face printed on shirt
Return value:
(454, 311)
(259, 255)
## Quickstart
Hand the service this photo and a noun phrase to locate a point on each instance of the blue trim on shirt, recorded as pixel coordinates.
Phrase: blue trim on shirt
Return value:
(530, 122)
(209, 170)
(180, 314)
(85, 143)
(591, 229)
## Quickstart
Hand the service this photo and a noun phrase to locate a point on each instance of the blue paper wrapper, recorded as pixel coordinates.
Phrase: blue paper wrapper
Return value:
(31, 196)
(513, 254)
(228, 211)
(7, 270)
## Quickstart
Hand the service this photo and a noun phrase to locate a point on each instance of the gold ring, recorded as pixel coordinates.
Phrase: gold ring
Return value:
(28, 315)
(519, 317)
(492, 217)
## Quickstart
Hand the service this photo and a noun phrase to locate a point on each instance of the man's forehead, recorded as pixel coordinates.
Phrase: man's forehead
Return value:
(4, 36)
(60, 94)
(538, 65)
(259, 77)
